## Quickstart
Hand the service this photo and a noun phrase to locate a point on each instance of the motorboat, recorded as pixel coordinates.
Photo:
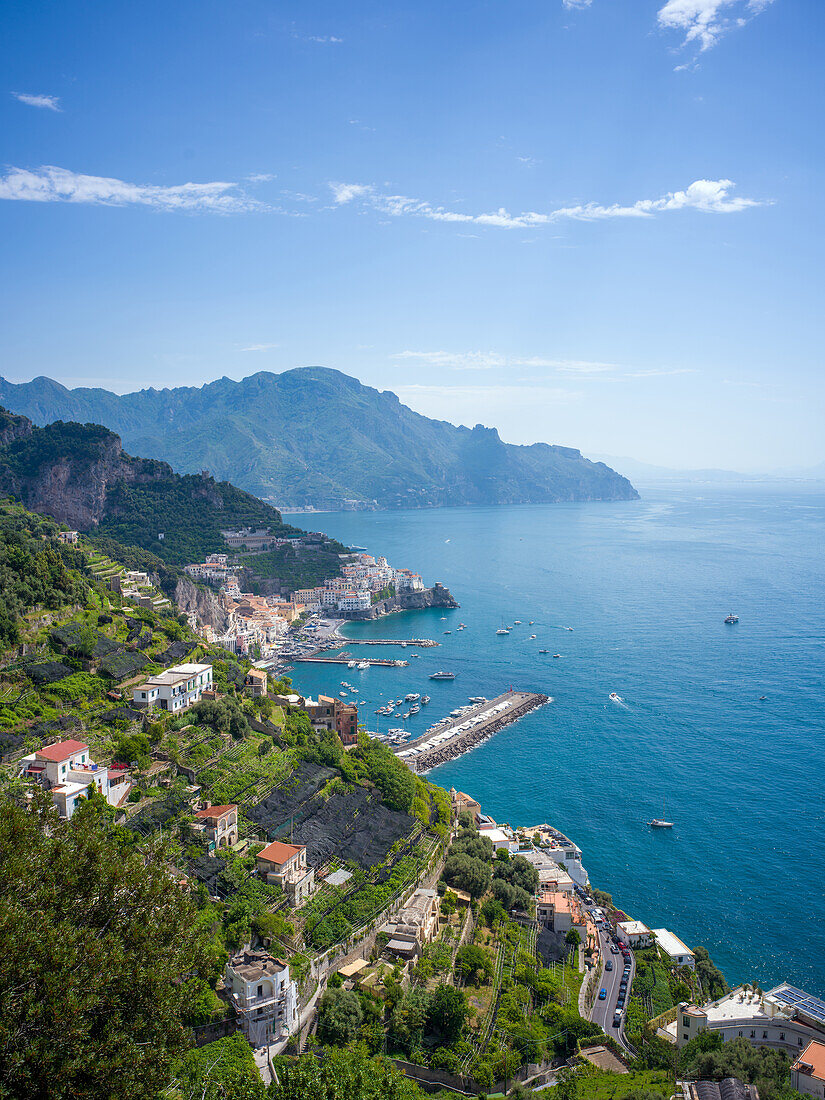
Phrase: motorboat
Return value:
(615, 697)
(731, 618)
(557, 655)
(363, 664)
(502, 630)
(532, 635)
(425, 699)
(478, 699)
(544, 651)
(448, 631)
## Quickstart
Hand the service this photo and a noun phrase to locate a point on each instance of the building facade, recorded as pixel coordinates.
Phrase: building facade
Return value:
(175, 689)
(264, 996)
(285, 865)
(67, 772)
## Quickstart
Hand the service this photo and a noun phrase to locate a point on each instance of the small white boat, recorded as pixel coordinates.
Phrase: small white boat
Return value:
(659, 822)
(532, 635)
(516, 622)
(502, 630)
(363, 664)
(615, 697)
(731, 618)
(557, 655)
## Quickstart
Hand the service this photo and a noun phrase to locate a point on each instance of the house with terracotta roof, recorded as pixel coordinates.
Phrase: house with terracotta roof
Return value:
(220, 825)
(808, 1071)
(255, 683)
(462, 803)
(285, 865)
(67, 771)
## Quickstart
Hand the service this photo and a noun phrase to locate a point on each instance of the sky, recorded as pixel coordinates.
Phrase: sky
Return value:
(589, 222)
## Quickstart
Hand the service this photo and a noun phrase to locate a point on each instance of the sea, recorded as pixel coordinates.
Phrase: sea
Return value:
(720, 728)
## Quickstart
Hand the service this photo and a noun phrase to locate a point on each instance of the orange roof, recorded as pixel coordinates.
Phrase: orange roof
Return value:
(814, 1056)
(215, 811)
(279, 853)
(60, 751)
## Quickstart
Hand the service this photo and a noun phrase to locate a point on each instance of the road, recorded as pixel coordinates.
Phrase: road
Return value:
(602, 1011)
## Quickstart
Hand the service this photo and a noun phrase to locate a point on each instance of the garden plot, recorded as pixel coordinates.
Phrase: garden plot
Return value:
(351, 825)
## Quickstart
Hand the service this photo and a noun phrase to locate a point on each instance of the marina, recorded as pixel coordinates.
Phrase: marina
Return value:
(345, 658)
(421, 643)
(467, 727)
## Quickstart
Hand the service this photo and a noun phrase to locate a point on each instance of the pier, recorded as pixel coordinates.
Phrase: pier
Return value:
(345, 658)
(493, 717)
(422, 643)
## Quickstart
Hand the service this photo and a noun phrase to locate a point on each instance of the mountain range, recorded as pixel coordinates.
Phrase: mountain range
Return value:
(314, 437)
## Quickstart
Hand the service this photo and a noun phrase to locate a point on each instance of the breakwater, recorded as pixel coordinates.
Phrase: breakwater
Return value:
(466, 732)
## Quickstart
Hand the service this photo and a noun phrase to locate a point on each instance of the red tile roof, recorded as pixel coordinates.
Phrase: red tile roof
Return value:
(215, 811)
(60, 751)
(279, 853)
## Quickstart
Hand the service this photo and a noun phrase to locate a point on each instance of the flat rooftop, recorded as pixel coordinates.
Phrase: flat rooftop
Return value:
(671, 944)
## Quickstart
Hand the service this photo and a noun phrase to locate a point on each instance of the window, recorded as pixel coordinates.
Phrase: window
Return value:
(799, 1042)
(686, 1037)
(753, 1034)
(764, 1034)
(260, 991)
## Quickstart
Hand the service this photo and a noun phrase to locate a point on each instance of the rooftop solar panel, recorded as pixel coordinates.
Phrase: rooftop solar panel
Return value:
(803, 1002)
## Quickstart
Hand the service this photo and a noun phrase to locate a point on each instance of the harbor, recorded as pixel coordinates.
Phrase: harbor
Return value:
(345, 658)
(421, 643)
(466, 728)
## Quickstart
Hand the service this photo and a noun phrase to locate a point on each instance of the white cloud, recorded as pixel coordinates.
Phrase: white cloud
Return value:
(50, 184)
(577, 5)
(704, 22)
(489, 393)
(261, 177)
(50, 102)
(323, 39)
(260, 347)
(490, 360)
(708, 196)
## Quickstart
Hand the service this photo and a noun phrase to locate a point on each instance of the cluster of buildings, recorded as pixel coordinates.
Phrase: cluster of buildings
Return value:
(361, 578)
(216, 570)
(67, 771)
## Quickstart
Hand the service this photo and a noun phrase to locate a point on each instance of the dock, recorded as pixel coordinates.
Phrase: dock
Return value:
(447, 741)
(422, 643)
(345, 658)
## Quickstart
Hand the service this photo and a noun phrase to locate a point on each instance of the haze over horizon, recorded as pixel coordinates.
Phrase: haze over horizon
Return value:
(579, 222)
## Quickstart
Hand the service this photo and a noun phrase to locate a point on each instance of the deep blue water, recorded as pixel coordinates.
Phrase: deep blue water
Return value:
(646, 587)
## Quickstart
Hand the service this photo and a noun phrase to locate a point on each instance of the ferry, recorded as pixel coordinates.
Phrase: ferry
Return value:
(443, 676)
(732, 618)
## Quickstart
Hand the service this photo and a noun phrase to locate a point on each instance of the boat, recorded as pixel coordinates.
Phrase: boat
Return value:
(343, 694)
(462, 626)
(363, 664)
(405, 716)
(516, 622)
(659, 822)
(478, 699)
(615, 698)
(448, 631)
(425, 699)
(532, 635)
(502, 630)
(415, 708)
(732, 618)
(440, 675)
(532, 622)
(544, 651)
(557, 655)
(413, 697)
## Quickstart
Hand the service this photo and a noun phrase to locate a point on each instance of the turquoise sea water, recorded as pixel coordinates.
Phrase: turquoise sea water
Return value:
(646, 587)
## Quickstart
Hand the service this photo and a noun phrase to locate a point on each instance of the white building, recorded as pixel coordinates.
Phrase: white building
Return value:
(498, 838)
(808, 1071)
(264, 996)
(416, 925)
(67, 772)
(634, 933)
(678, 953)
(784, 1018)
(175, 689)
(354, 601)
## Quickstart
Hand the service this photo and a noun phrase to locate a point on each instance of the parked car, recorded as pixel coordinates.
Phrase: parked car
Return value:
(602, 994)
(617, 1019)
(609, 964)
(614, 949)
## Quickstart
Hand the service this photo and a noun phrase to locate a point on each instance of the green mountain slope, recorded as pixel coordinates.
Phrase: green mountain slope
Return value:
(314, 436)
(80, 475)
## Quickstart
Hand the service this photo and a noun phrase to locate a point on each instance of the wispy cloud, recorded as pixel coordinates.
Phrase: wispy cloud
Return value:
(260, 347)
(489, 393)
(323, 39)
(577, 5)
(49, 102)
(490, 360)
(707, 196)
(50, 184)
(704, 22)
(659, 372)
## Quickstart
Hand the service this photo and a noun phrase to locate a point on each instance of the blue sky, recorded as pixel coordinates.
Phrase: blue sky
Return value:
(596, 224)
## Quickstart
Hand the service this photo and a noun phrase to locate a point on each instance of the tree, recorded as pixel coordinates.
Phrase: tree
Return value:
(339, 1016)
(93, 988)
(219, 1070)
(473, 963)
(448, 1011)
(572, 939)
(342, 1073)
(467, 873)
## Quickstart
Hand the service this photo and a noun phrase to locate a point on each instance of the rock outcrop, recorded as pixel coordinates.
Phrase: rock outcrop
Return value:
(205, 603)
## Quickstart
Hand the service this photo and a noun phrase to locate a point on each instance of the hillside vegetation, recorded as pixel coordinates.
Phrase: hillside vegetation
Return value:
(314, 436)
(79, 474)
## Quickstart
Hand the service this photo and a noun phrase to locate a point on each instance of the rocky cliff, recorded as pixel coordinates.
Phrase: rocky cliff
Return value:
(204, 602)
